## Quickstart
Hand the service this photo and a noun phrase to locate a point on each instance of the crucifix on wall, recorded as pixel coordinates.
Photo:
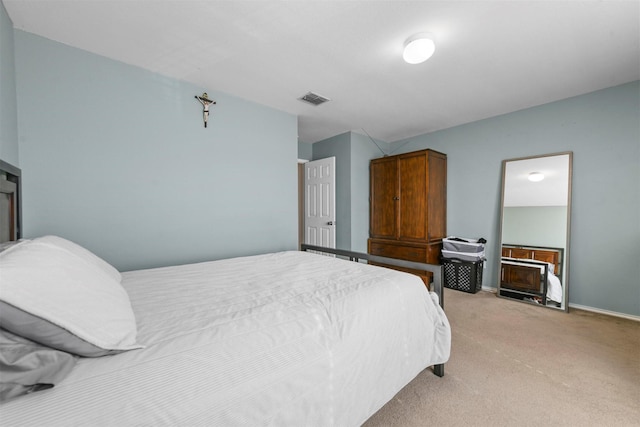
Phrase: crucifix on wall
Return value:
(205, 101)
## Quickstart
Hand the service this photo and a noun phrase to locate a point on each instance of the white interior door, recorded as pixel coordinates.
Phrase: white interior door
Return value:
(320, 202)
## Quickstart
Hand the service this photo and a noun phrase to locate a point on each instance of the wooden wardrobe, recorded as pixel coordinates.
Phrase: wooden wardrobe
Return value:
(408, 207)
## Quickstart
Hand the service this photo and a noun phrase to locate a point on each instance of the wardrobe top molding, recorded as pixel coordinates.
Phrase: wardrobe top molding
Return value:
(411, 153)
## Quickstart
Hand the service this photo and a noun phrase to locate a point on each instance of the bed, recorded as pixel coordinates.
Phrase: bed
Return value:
(287, 338)
(532, 273)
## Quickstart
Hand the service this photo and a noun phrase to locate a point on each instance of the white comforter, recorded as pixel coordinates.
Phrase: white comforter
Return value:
(284, 339)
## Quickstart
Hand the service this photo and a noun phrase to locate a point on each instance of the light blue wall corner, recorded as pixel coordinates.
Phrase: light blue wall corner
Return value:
(305, 151)
(363, 149)
(353, 152)
(117, 158)
(9, 151)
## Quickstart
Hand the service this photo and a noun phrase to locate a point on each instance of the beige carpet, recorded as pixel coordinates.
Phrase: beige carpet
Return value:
(515, 364)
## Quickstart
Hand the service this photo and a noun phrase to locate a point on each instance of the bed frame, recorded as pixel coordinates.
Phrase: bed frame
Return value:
(528, 280)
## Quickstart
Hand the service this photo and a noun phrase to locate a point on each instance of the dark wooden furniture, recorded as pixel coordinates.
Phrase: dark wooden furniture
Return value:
(522, 278)
(10, 201)
(544, 254)
(527, 279)
(408, 207)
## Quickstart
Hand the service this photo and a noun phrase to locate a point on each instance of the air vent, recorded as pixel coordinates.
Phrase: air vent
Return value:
(314, 98)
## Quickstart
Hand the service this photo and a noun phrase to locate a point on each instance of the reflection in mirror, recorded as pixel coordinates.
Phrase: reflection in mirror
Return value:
(536, 208)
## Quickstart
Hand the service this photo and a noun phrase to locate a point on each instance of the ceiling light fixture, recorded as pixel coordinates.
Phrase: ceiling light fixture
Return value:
(536, 177)
(419, 47)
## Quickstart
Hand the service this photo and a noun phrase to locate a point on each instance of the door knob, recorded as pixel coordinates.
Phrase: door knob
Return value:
(331, 223)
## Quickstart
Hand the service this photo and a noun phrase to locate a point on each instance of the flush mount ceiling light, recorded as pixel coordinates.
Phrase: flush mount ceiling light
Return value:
(536, 177)
(419, 47)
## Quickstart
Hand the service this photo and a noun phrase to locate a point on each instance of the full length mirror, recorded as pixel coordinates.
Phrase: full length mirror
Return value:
(535, 229)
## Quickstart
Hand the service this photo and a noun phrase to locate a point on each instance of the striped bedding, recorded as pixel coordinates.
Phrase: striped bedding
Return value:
(283, 339)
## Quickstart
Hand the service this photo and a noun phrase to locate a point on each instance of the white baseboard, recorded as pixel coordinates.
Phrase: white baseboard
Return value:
(583, 307)
(607, 312)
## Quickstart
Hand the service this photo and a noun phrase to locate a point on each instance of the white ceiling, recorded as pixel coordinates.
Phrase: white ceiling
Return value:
(553, 190)
(492, 57)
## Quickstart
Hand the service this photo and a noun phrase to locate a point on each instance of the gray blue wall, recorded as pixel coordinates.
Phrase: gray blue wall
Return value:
(8, 106)
(362, 151)
(117, 158)
(603, 131)
(353, 154)
(305, 151)
(535, 225)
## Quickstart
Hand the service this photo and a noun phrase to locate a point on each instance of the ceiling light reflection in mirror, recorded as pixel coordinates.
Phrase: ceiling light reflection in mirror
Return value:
(550, 191)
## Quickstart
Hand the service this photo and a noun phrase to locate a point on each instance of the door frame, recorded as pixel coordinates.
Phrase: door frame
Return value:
(302, 199)
(301, 163)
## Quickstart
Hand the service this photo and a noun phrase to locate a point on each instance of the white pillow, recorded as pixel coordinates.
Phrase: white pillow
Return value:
(59, 289)
(83, 253)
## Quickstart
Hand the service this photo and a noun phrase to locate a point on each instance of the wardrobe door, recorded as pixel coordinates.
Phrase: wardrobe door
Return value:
(384, 198)
(412, 171)
(437, 199)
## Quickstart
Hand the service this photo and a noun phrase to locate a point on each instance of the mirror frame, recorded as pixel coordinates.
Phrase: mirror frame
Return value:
(565, 263)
